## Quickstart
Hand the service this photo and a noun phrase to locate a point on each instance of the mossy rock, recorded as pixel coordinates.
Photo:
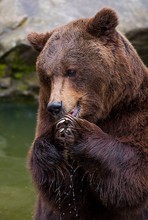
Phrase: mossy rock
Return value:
(3, 68)
(18, 63)
(19, 67)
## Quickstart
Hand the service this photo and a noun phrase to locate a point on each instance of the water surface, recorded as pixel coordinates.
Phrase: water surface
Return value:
(17, 127)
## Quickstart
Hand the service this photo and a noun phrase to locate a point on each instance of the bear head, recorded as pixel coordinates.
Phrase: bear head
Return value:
(86, 67)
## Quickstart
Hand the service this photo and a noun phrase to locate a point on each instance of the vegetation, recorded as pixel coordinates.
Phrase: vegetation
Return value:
(15, 64)
(17, 73)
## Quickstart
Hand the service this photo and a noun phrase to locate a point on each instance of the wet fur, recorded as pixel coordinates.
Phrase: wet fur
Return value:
(108, 164)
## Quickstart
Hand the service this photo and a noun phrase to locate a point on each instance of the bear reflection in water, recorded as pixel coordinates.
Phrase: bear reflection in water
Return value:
(89, 157)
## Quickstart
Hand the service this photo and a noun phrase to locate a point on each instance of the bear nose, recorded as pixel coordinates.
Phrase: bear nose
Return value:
(54, 107)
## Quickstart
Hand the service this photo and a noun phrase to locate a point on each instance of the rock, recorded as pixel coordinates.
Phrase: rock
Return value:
(19, 18)
(17, 71)
(18, 63)
(19, 88)
(5, 83)
(139, 39)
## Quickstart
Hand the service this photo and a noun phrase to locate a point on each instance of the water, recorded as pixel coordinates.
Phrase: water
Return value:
(17, 127)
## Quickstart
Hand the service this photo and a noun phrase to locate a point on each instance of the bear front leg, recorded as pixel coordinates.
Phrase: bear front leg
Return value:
(49, 171)
(117, 170)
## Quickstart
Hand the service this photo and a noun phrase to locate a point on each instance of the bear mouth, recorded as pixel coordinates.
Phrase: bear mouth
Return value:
(75, 111)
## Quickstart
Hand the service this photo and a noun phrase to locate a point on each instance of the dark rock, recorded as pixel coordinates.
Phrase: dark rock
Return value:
(139, 39)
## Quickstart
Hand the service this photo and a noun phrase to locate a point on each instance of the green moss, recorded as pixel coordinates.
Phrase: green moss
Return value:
(15, 65)
(19, 69)
(3, 68)
(23, 87)
(18, 75)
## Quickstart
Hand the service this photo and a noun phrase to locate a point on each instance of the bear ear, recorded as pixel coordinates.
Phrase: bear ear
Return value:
(38, 41)
(103, 23)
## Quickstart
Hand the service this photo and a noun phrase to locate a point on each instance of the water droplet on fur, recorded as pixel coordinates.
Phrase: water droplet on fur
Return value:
(59, 198)
(73, 193)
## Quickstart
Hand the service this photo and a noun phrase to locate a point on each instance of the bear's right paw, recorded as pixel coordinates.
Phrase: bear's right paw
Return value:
(65, 131)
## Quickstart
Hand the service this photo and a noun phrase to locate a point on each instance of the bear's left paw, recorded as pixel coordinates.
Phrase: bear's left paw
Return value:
(66, 131)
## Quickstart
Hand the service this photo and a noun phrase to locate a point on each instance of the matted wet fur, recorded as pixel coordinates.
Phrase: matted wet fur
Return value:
(89, 159)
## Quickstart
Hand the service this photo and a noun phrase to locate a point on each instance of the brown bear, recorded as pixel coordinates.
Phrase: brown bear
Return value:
(89, 159)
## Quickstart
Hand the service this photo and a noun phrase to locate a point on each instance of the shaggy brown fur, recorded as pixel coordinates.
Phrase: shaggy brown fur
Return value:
(94, 164)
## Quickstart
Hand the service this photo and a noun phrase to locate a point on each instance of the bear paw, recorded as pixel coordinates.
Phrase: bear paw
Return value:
(66, 131)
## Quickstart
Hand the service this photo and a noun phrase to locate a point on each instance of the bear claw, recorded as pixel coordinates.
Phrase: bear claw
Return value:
(66, 122)
(65, 130)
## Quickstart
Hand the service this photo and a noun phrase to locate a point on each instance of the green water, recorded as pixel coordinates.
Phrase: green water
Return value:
(17, 127)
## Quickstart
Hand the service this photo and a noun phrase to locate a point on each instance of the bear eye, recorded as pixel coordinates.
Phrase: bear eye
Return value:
(70, 73)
